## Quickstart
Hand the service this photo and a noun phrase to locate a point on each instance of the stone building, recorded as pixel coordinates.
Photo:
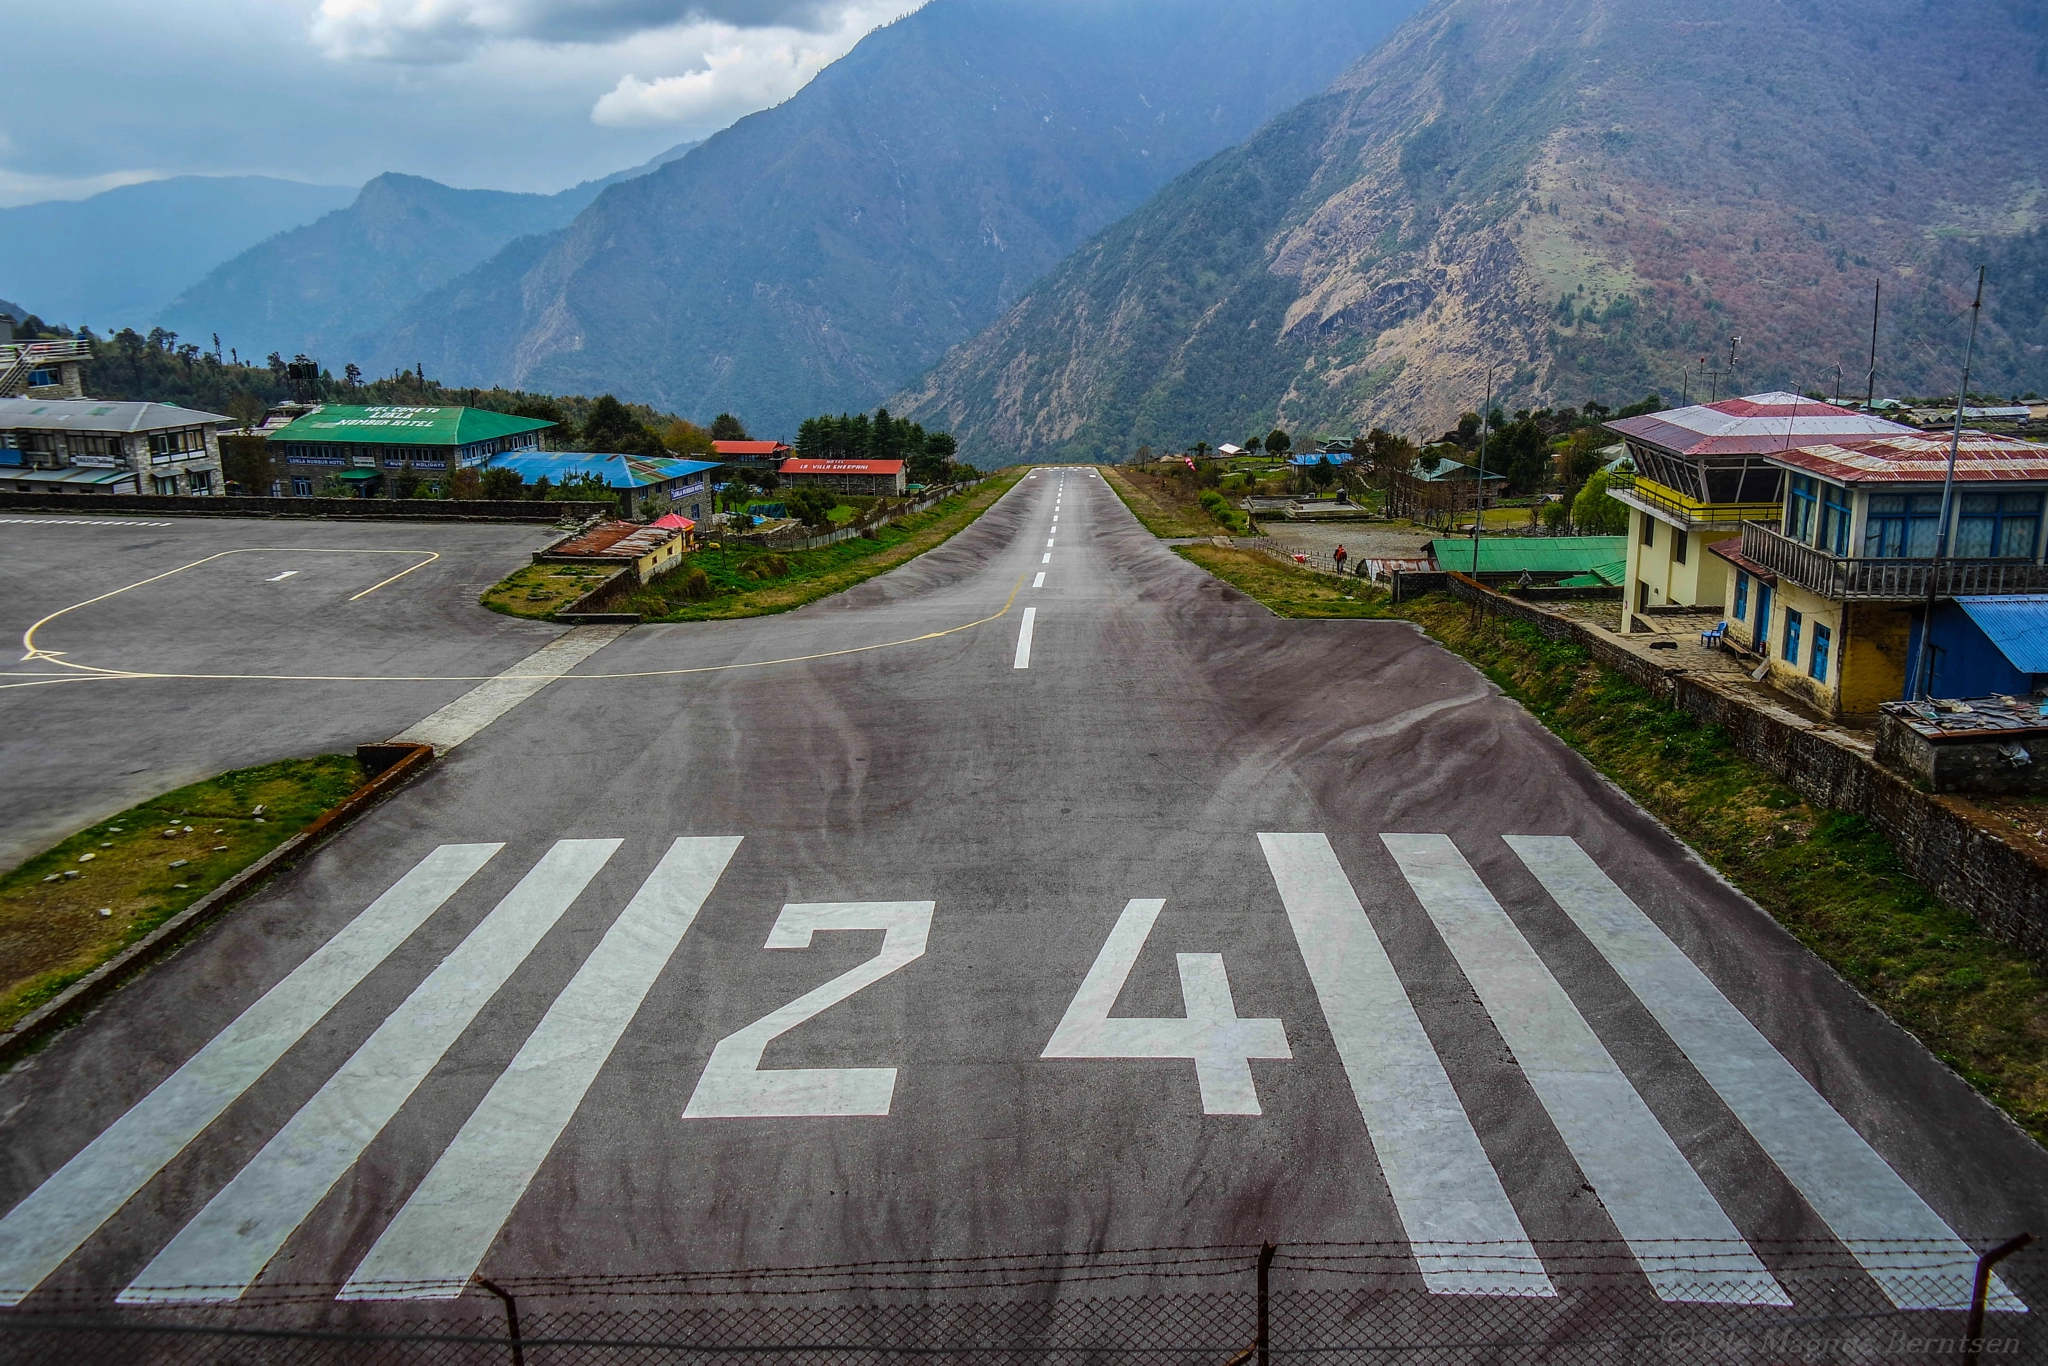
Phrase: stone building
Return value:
(85, 445)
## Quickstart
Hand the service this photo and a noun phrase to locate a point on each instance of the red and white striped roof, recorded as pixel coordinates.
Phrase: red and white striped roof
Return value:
(1752, 425)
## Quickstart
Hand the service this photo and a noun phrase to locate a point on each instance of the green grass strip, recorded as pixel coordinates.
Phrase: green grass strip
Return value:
(146, 865)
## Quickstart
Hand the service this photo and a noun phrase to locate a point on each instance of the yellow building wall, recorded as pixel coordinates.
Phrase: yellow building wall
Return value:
(1700, 581)
(1790, 676)
(1874, 660)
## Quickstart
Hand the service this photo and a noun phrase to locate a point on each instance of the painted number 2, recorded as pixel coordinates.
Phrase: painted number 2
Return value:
(1220, 1043)
(734, 1086)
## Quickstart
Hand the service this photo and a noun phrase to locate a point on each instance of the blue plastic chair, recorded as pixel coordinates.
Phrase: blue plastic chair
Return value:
(1712, 639)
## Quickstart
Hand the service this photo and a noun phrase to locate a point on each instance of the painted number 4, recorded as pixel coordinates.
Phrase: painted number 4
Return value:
(1221, 1045)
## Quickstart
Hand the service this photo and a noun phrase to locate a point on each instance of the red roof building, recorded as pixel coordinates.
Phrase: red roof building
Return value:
(1921, 459)
(870, 478)
(751, 452)
(1704, 470)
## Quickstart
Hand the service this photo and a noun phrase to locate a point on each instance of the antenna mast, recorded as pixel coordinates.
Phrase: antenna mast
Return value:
(1876, 293)
(1925, 674)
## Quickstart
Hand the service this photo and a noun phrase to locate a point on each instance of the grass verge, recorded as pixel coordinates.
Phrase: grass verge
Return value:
(719, 585)
(52, 931)
(1166, 509)
(541, 590)
(1830, 878)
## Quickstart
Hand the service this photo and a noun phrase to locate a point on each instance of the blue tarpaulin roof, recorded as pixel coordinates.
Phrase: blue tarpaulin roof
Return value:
(618, 471)
(2017, 624)
(1321, 458)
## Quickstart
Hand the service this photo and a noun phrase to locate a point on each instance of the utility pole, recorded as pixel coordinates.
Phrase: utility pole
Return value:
(1733, 342)
(1479, 494)
(1924, 682)
(1876, 294)
(1685, 385)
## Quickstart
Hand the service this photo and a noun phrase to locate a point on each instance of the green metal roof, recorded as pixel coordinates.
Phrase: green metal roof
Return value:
(1537, 554)
(399, 426)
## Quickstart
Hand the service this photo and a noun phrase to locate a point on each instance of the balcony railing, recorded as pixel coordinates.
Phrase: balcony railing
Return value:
(1842, 578)
(1650, 496)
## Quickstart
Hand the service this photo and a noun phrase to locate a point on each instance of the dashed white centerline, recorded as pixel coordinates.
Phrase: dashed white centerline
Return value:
(1047, 559)
(1039, 582)
(1023, 660)
(279, 578)
(1048, 543)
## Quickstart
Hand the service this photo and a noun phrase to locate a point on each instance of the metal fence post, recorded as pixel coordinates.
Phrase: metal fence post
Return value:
(1973, 1335)
(1265, 1271)
(511, 1317)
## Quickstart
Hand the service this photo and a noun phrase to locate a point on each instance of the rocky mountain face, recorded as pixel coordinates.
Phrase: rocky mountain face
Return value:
(1587, 196)
(821, 254)
(325, 288)
(115, 259)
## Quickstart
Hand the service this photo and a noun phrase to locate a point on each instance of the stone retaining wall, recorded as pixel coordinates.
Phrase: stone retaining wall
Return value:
(1943, 841)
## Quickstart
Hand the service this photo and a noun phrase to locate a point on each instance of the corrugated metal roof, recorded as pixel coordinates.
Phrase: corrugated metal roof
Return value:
(2017, 624)
(99, 415)
(1447, 470)
(1752, 425)
(395, 425)
(1917, 459)
(68, 475)
(1537, 554)
(748, 448)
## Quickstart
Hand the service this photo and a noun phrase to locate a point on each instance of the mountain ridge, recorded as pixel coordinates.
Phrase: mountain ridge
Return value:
(321, 287)
(818, 255)
(115, 258)
(1494, 165)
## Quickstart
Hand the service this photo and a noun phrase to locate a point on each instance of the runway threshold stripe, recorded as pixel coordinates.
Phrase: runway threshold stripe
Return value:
(1652, 1193)
(488, 701)
(220, 1253)
(58, 1216)
(1023, 660)
(1444, 1189)
(1854, 1190)
(441, 1235)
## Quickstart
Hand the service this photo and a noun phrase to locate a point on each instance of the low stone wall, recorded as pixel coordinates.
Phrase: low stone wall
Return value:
(381, 509)
(1971, 762)
(1943, 841)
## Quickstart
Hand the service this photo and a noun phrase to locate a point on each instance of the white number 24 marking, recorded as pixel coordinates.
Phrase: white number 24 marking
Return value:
(734, 1086)
(1220, 1043)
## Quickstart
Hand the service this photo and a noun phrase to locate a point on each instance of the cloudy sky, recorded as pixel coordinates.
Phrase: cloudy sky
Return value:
(502, 94)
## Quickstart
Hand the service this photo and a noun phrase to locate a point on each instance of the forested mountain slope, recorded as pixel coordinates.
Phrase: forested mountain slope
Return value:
(821, 254)
(1589, 194)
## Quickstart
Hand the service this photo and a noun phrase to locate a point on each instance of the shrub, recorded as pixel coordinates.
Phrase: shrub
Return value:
(696, 585)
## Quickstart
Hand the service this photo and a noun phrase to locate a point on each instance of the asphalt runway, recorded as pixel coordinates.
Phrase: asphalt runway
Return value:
(1043, 896)
(228, 596)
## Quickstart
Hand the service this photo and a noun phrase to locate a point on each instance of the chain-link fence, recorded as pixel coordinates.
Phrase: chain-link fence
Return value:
(1221, 1306)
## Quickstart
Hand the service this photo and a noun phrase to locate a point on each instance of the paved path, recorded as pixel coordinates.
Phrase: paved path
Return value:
(1044, 894)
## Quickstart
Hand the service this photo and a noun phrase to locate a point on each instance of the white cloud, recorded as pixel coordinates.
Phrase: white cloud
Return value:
(434, 31)
(735, 79)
